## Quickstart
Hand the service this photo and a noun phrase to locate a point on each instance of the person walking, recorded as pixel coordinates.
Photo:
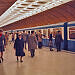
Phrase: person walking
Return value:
(13, 36)
(6, 38)
(24, 36)
(50, 42)
(32, 43)
(2, 45)
(19, 48)
(58, 40)
(39, 40)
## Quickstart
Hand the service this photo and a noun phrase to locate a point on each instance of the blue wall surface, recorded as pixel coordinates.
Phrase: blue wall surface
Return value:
(71, 44)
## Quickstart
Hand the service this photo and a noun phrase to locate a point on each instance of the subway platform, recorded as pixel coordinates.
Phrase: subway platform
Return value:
(45, 62)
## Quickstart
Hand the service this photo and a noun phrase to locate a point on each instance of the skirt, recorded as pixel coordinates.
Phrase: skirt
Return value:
(20, 53)
(39, 44)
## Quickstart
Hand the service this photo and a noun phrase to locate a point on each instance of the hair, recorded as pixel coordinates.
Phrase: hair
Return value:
(1, 30)
(32, 32)
(17, 31)
(23, 30)
(58, 31)
(40, 31)
(5, 32)
(29, 32)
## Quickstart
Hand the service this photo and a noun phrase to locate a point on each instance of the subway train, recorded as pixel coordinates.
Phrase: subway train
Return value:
(67, 31)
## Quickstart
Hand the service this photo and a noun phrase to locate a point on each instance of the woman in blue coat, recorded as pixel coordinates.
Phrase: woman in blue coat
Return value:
(19, 48)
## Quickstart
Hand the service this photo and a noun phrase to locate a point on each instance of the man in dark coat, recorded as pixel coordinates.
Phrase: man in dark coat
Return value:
(2, 45)
(19, 47)
(58, 40)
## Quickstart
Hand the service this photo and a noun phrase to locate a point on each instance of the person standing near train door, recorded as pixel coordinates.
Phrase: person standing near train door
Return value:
(50, 42)
(2, 45)
(58, 40)
(39, 40)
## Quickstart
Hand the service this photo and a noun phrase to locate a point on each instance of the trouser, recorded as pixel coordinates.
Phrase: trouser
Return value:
(12, 39)
(58, 46)
(51, 48)
(32, 52)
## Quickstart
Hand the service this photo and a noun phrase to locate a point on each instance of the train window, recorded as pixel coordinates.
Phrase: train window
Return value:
(44, 33)
(72, 33)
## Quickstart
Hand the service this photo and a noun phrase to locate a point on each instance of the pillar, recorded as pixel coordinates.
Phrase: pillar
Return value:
(65, 36)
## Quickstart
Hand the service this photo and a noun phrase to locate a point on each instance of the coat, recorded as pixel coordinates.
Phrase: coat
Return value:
(19, 46)
(39, 37)
(2, 43)
(32, 42)
(24, 36)
(58, 39)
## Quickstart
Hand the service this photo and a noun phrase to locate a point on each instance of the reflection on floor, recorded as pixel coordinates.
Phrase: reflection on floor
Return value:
(44, 63)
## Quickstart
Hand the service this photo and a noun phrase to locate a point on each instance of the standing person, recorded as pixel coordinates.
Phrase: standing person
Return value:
(32, 43)
(17, 34)
(2, 45)
(28, 39)
(58, 40)
(24, 36)
(6, 37)
(39, 40)
(19, 47)
(13, 36)
(50, 42)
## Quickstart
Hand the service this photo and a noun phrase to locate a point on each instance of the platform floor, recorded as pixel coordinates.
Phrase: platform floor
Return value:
(44, 63)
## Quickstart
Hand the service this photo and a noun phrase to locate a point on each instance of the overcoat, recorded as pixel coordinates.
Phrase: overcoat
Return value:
(32, 42)
(19, 46)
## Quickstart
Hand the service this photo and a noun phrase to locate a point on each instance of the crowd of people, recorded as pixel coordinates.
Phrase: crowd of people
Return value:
(22, 39)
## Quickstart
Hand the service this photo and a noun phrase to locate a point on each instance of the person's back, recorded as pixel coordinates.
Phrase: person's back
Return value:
(50, 37)
(58, 38)
(33, 42)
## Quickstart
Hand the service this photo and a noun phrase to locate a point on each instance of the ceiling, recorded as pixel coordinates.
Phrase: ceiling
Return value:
(52, 15)
(5, 4)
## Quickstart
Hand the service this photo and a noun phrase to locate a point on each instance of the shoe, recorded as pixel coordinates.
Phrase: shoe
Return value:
(17, 59)
(21, 61)
(51, 49)
(32, 56)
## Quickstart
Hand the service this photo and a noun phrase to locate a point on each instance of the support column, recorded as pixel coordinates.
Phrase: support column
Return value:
(68, 32)
(65, 36)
